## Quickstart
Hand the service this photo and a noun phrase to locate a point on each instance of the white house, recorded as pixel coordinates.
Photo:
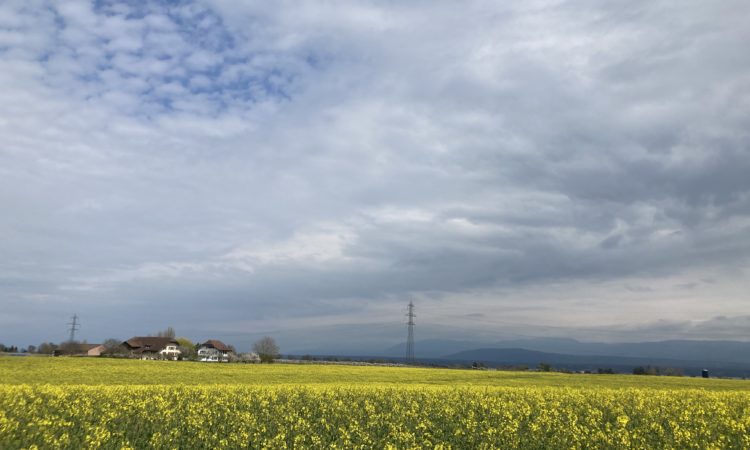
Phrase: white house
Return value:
(214, 351)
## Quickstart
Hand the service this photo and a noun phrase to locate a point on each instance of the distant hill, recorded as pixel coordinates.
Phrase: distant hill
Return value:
(435, 348)
(700, 352)
(692, 350)
(531, 358)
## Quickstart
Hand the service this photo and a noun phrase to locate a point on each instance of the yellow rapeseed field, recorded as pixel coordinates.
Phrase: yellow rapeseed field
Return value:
(250, 406)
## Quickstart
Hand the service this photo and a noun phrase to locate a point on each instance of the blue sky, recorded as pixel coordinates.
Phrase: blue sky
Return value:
(307, 168)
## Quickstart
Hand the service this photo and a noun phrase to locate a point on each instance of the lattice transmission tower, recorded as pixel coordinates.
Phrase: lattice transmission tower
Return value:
(410, 336)
(74, 326)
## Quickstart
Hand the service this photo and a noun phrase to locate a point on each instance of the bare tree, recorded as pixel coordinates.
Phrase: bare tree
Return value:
(46, 348)
(113, 346)
(266, 349)
(169, 332)
(70, 348)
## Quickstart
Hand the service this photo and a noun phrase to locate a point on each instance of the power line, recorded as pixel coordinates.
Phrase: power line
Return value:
(410, 336)
(74, 326)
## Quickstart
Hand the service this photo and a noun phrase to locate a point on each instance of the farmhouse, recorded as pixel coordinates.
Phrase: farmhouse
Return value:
(94, 349)
(151, 347)
(214, 350)
(79, 349)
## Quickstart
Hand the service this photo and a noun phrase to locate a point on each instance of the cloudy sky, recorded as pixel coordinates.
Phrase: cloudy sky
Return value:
(305, 169)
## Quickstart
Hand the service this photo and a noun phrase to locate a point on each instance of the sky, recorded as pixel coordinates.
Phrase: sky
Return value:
(305, 169)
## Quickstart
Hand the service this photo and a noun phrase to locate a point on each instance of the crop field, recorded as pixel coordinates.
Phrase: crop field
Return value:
(105, 403)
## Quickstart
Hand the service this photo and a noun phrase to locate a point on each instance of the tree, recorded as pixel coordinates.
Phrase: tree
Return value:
(113, 346)
(47, 348)
(266, 349)
(187, 348)
(70, 348)
(169, 332)
(31, 348)
(672, 371)
(648, 370)
(544, 367)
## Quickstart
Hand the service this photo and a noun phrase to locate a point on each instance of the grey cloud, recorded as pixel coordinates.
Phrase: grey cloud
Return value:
(302, 162)
(610, 242)
(719, 327)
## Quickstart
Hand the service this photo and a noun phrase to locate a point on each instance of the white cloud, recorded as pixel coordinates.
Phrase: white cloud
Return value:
(284, 157)
(314, 247)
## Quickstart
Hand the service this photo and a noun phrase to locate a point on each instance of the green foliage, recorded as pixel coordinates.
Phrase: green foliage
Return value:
(544, 367)
(187, 348)
(650, 370)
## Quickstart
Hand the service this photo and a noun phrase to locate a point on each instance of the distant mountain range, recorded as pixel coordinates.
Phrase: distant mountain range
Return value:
(494, 357)
(686, 350)
(726, 358)
(723, 358)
